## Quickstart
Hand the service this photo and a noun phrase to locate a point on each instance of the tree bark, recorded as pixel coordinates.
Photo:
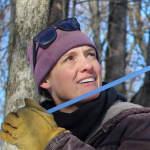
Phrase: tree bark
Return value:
(115, 53)
(11, 28)
(142, 97)
(74, 8)
(31, 17)
(65, 8)
(58, 11)
(95, 25)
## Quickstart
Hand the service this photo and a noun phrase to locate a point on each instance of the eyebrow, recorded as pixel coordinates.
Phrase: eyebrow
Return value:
(91, 49)
(69, 53)
(74, 52)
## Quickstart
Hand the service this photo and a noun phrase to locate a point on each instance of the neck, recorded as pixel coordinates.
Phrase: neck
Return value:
(68, 110)
(71, 108)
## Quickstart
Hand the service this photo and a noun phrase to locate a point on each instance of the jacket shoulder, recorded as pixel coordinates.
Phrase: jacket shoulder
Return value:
(119, 111)
(115, 114)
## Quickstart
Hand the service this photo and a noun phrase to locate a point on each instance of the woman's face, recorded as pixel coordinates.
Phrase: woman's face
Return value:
(77, 72)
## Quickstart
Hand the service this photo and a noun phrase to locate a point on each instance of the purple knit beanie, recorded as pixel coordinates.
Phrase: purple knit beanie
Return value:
(49, 55)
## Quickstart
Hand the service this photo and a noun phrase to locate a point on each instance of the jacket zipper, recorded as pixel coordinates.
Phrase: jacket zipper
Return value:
(95, 137)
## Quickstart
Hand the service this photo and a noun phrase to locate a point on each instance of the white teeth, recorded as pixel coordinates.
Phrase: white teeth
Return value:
(87, 80)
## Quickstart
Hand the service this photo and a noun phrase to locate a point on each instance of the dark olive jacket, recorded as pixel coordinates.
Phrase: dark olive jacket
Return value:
(126, 126)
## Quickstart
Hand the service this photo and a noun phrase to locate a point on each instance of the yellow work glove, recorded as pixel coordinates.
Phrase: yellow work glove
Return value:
(30, 128)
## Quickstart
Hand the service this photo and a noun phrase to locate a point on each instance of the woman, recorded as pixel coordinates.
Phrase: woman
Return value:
(65, 65)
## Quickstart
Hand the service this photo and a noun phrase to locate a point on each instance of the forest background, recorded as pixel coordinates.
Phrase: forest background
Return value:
(119, 28)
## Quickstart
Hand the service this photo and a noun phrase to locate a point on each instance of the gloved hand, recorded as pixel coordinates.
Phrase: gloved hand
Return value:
(30, 128)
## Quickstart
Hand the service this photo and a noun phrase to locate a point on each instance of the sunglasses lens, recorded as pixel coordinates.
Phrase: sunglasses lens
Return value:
(46, 36)
(69, 24)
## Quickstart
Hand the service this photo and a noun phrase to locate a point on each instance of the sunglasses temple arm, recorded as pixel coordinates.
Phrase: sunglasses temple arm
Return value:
(34, 54)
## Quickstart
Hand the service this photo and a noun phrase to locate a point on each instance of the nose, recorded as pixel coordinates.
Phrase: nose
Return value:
(85, 65)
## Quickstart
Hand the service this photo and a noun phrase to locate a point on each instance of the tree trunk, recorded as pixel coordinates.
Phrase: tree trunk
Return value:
(115, 53)
(65, 8)
(142, 97)
(11, 28)
(95, 25)
(58, 11)
(74, 8)
(31, 17)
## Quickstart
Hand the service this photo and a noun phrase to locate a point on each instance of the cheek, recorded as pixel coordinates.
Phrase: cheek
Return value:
(99, 74)
(66, 75)
(98, 68)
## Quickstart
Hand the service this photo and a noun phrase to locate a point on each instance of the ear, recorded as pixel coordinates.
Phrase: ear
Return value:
(45, 85)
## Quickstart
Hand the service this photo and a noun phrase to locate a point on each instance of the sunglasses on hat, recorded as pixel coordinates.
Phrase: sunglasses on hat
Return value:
(48, 35)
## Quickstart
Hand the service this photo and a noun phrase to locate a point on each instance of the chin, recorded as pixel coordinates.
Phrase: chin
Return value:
(91, 98)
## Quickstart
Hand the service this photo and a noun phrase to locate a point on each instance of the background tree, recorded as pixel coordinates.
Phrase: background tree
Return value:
(11, 28)
(142, 96)
(95, 26)
(116, 42)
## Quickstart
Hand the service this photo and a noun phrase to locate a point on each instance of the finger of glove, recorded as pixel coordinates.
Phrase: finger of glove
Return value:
(32, 103)
(56, 132)
(26, 114)
(6, 137)
(7, 128)
(60, 130)
(13, 119)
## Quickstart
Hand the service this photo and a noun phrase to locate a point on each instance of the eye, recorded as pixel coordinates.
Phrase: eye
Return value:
(69, 58)
(92, 54)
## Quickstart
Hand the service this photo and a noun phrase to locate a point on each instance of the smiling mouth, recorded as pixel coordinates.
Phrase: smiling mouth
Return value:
(87, 80)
